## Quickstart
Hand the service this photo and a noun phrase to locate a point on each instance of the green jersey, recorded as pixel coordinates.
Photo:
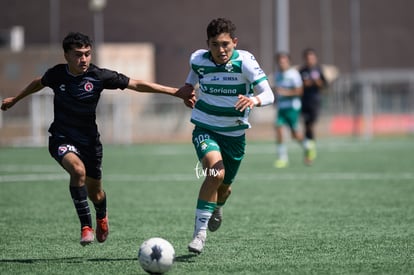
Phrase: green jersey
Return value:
(289, 79)
(219, 87)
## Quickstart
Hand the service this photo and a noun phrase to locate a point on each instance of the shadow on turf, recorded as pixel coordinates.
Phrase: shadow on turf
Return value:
(66, 260)
(188, 258)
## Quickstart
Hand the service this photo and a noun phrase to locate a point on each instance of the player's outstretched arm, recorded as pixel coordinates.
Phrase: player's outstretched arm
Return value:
(35, 86)
(187, 93)
(149, 87)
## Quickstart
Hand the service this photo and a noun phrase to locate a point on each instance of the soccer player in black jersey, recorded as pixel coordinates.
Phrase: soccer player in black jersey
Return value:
(74, 137)
(313, 81)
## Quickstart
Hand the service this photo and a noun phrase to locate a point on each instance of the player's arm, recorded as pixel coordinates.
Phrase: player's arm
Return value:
(321, 81)
(256, 76)
(296, 88)
(263, 96)
(296, 91)
(34, 86)
(188, 88)
(149, 87)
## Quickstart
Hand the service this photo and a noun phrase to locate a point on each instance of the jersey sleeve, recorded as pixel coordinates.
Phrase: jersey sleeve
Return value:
(251, 69)
(192, 77)
(114, 80)
(264, 93)
(297, 79)
(46, 79)
(50, 77)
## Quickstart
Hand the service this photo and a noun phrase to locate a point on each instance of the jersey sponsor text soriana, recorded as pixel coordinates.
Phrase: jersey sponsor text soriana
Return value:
(219, 87)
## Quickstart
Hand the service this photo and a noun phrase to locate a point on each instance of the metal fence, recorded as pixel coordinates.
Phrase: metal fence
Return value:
(372, 103)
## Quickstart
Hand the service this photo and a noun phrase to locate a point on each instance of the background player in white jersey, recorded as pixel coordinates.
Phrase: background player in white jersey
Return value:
(74, 138)
(289, 89)
(231, 84)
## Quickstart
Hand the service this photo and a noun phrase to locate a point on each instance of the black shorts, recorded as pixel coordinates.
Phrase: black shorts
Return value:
(310, 113)
(90, 155)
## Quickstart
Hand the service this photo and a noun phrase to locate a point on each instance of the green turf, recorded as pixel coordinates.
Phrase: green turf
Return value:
(350, 213)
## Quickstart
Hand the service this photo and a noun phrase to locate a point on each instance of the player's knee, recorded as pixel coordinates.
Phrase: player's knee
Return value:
(220, 176)
(78, 172)
(215, 176)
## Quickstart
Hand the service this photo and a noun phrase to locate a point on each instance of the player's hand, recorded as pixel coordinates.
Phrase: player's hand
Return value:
(187, 94)
(7, 103)
(245, 102)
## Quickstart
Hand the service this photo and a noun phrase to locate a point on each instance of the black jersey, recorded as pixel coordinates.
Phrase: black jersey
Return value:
(76, 98)
(311, 94)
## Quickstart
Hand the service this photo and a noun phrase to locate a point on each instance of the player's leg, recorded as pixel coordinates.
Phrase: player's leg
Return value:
(98, 197)
(96, 193)
(216, 218)
(208, 152)
(298, 136)
(78, 190)
(207, 198)
(309, 117)
(232, 151)
(293, 122)
(68, 156)
(294, 117)
(281, 149)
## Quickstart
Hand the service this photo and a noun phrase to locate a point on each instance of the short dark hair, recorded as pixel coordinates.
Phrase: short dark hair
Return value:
(282, 54)
(219, 26)
(308, 51)
(76, 39)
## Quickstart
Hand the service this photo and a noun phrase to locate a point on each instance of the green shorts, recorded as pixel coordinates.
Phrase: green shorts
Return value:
(289, 117)
(231, 148)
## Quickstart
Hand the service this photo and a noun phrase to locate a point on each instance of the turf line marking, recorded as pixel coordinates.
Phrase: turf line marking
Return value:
(27, 168)
(190, 177)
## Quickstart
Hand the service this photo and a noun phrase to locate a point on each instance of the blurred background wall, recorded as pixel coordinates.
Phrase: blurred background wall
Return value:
(365, 47)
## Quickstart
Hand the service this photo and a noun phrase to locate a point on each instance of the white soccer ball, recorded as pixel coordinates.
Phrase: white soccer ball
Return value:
(156, 255)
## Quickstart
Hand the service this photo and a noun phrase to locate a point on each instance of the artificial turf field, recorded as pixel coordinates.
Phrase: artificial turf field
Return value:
(352, 212)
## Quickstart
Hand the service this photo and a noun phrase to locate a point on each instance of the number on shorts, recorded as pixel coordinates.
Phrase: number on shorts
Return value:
(200, 138)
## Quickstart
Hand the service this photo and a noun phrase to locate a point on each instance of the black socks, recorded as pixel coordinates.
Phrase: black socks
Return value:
(80, 200)
(101, 209)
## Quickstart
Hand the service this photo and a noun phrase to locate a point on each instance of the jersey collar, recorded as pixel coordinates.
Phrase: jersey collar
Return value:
(208, 56)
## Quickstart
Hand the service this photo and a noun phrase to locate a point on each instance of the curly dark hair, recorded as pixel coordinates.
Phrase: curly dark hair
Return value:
(76, 39)
(219, 26)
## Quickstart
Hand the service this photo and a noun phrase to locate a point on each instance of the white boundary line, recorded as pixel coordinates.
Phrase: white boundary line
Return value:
(191, 177)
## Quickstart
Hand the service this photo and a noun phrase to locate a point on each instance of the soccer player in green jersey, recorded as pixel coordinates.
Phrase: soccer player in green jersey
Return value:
(231, 83)
(289, 89)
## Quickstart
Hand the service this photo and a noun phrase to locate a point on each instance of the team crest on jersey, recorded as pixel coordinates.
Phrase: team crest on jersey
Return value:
(229, 66)
(88, 86)
(203, 146)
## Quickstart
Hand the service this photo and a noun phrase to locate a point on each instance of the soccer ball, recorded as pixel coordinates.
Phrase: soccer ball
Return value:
(156, 255)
